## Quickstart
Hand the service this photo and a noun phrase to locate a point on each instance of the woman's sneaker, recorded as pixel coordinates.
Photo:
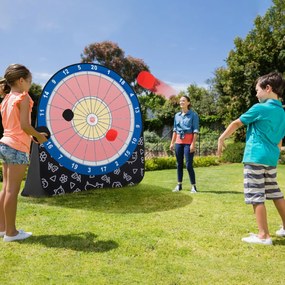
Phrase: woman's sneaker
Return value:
(177, 188)
(281, 232)
(193, 189)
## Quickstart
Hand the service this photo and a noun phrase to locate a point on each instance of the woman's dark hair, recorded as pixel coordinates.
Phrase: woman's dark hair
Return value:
(188, 99)
(12, 74)
(273, 79)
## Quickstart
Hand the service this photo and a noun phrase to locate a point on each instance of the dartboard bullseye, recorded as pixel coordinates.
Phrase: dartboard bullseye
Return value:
(93, 117)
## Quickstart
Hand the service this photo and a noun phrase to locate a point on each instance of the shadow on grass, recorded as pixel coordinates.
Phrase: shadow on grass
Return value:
(279, 241)
(142, 198)
(79, 242)
(222, 192)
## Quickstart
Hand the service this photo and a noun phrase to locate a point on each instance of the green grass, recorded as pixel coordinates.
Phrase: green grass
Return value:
(146, 235)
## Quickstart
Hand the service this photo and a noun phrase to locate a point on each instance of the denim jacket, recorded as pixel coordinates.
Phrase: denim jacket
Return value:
(186, 124)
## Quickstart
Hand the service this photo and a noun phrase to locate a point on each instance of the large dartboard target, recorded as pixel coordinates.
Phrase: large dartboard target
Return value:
(93, 117)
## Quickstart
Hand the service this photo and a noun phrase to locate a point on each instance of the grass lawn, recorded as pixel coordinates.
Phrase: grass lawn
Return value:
(146, 235)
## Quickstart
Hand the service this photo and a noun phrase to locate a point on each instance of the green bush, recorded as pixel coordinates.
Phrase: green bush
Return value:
(233, 152)
(282, 157)
(166, 145)
(160, 163)
(153, 124)
(207, 143)
(205, 161)
(151, 137)
(153, 147)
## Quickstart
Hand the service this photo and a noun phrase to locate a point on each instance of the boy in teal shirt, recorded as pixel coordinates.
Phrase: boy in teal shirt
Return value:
(265, 130)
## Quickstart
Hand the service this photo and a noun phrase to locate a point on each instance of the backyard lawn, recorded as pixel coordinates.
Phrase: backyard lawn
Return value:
(146, 235)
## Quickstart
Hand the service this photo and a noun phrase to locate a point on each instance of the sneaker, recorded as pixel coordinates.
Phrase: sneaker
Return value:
(177, 188)
(20, 236)
(253, 238)
(2, 234)
(194, 189)
(281, 232)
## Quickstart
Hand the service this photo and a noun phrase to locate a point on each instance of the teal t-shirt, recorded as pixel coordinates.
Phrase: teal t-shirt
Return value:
(265, 129)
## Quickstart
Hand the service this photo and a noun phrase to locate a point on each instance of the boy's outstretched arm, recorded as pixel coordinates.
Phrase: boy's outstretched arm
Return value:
(232, 127)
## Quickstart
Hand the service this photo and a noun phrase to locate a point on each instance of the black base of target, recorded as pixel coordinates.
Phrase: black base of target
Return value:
(47, 178)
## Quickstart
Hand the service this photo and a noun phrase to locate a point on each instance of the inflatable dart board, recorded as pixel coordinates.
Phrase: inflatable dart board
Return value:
(94, 121)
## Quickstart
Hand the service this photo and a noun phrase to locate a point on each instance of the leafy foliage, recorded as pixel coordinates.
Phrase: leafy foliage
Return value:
(112, 56)
(207, 141)
(151, 137)
(204, 102)
(157, 111)
(282, 157)
(262, 51)
(160, 163)
(155, 145)
(233, 152)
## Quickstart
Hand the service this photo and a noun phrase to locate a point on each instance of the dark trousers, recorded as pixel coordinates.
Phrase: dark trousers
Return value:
(182, 150)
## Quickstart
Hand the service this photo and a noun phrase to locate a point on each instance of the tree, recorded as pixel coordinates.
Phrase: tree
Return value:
(204, 102)
(150, 104)
(166, 112)
(262, 51)
(112, 56)
(201, 99)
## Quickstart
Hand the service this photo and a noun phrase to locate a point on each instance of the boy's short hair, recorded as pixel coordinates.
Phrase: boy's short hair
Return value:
(275, 80)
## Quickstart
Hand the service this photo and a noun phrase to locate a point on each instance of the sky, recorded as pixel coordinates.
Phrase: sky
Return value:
(183, 42)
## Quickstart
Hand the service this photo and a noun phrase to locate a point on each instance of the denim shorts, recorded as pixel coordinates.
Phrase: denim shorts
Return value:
(10, 155)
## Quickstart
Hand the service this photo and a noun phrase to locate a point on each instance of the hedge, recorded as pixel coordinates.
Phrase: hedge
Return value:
(160, 163)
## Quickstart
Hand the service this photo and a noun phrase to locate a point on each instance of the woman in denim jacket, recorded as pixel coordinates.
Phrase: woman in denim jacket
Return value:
(185, 131)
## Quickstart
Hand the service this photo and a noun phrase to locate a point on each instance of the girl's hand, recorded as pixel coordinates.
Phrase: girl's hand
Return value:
(171, 147)
(40, 138)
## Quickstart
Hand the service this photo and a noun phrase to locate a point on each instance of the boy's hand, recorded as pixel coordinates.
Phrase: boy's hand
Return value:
(221, 146)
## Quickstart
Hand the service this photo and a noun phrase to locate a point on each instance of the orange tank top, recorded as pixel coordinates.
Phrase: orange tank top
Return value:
(13, 134)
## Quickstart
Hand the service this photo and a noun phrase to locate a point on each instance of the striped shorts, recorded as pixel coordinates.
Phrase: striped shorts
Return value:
(260, 183)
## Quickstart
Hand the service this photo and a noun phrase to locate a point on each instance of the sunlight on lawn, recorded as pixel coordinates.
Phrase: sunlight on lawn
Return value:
(146, 234)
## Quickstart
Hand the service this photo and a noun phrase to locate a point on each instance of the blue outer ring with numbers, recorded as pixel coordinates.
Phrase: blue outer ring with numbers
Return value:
(42, 117)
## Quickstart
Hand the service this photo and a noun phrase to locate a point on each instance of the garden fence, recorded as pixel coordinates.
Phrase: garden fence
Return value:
(206, 144)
